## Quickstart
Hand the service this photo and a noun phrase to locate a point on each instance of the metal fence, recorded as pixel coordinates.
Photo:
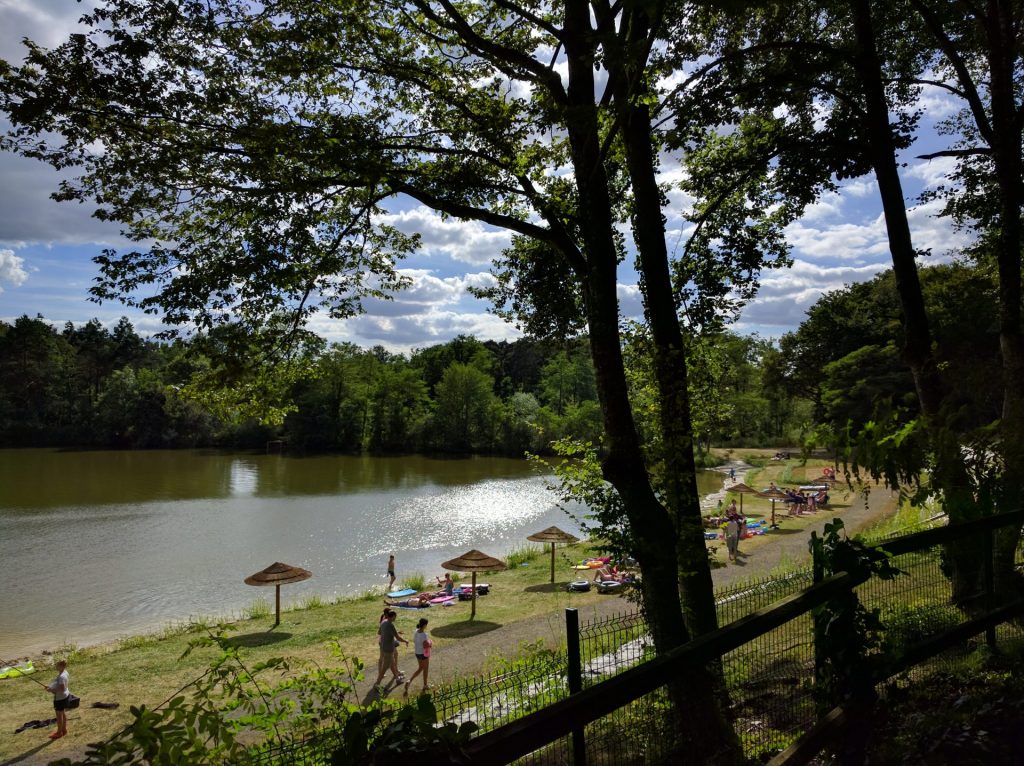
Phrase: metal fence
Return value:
(769, 680)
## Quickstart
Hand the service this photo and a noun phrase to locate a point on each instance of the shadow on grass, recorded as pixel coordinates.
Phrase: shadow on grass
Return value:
(547, 587)
(466, 629)
(787, 531)
(266, 638)
(27, 754)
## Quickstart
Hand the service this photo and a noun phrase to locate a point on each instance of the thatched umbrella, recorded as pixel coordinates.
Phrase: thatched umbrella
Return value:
(824, 479)
(278, 574)
(773, 494)
(553, 535)
(474, 562)
(741, 489)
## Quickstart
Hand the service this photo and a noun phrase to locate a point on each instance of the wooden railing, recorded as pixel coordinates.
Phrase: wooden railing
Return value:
(536, 730)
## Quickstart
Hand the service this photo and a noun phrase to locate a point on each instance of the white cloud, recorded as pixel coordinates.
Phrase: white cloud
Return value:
(466, 241)
(427, 293)
(860, 188)
(12, 269)
(404, 333)
(29, 216)
(935, 233)
(937, 103)
(47, 22)
(932, 172)
(828, 205)
(840, 241)
(631, 301)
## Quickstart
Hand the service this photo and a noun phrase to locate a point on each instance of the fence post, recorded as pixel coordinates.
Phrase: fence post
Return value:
(572, 639)
(989, 573)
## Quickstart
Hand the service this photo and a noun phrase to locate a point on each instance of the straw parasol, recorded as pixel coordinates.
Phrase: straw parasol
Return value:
(278, 574)
(474, 562)
(553, 535)
(741, 489)
(773, 494)
(823, 479)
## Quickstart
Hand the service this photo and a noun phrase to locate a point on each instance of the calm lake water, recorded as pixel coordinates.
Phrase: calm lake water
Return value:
(104, 544)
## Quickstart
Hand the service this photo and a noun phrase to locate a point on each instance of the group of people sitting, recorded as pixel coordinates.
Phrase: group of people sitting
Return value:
(611, 573)
(422, 600)
(805, 502)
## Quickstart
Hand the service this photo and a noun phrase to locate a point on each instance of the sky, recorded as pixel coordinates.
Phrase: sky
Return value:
(46, 247)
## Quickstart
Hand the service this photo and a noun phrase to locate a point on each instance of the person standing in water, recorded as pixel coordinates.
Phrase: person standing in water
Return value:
(422, 644)
(391, 571)
(61, 691)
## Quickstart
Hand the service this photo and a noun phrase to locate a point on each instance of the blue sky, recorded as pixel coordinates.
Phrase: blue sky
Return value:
(46, 247)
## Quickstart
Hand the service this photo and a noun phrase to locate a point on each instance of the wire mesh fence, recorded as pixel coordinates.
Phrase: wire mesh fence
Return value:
(769, 680)
(494, 700)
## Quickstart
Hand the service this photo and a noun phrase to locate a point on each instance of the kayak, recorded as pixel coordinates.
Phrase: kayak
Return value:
(16, 671)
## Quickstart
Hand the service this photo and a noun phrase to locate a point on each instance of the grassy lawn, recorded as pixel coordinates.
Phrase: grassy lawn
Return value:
(785, 473)
(149, 669)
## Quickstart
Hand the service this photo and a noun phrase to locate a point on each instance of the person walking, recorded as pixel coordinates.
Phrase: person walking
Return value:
(389, 640)
(61, 691)
(732, 537)
(422, 645)
(391, 572)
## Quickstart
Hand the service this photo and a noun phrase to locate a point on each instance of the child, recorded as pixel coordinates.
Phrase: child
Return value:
(732, 537)
(60, 691)
(422, 644)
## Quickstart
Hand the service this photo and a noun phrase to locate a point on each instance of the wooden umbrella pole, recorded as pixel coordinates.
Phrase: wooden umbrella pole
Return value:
(472, 612)
(552, 561)
(277, 604)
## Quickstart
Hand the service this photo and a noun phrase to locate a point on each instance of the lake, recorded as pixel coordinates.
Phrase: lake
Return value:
(101, 544)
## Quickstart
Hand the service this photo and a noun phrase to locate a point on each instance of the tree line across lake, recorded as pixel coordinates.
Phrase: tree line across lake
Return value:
(92, 386)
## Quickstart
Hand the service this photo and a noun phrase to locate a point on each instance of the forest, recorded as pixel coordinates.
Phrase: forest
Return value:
(88, 386)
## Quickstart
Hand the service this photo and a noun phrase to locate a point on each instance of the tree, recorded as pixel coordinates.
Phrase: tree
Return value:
(398, 407)
(847, 74)
(261, 142)
(464, 418)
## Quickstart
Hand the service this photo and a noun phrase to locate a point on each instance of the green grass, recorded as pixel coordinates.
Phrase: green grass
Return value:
(314, 601)
(524, 555)
(259, 609)
(148, 669)
(415, 581)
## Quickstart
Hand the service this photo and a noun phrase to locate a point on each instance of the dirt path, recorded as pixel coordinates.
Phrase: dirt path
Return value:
(471, 656)
(474, 655)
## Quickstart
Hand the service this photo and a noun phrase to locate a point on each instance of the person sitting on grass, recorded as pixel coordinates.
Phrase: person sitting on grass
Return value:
(447, 586)
(415, 602)
(607, 572)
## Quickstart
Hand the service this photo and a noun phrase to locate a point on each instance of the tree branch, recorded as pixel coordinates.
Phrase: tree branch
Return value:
(983, 151)
(963, 72)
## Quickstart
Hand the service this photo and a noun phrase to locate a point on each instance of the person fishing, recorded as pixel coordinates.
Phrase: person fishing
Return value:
(61, 691)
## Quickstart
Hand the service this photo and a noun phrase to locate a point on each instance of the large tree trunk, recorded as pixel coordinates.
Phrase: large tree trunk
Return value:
(1003, 52)
(699, 718)
(949, 475)
(679, 472)
(624, 465)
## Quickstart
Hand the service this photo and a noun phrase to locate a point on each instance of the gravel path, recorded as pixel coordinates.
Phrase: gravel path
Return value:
(470, 656)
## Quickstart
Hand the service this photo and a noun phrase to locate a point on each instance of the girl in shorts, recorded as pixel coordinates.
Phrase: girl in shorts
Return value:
(60, 691)
(422, 644)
